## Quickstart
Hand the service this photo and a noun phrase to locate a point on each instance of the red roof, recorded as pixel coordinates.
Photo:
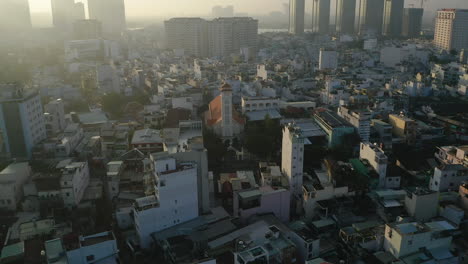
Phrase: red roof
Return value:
(214, 115)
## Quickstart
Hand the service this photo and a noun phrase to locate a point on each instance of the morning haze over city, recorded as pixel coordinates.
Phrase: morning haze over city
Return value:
(234, 131)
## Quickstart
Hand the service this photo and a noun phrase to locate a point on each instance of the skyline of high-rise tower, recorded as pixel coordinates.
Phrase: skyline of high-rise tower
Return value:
(296, 16)
(320, 16)
(345, 16)
(393, 17)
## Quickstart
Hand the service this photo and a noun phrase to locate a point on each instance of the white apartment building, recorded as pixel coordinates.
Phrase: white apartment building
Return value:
(250, 104)
(328, 59)
(175, 199)
(54, 117)
(422, 204)
(292, 159)
(453, 155)
(188, 34)
(22, 124)
(217, 38)
(377, 159)
(73, 183)
(402, 239)
(360, 119)
(451, 29)
(324, 189)
(448, 177)
(12, 179)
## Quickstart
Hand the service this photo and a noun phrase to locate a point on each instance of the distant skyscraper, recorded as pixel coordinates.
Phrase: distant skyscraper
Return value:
(345, 16)
(61, 12)
(451, 29)
(219, 37)
(370, 16)
(78, 12)
(320, 16)
(66, 12)
(111, 13)
(393, 17)
(14, 15)
(412, 22)
(188, 34)
(296, 16)
(228, 36)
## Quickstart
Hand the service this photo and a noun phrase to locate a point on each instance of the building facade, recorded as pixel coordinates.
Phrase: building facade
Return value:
(54, 113)
(111, 13)
(393, 18)
(73, 183)
(296, 16)
(370, 17)
(360, 119)
(412, 22)
(217, 38)
(377, 159)
(345, 16)
(328, 59)
(292, 159)
(175, 199)
(21, 120)
(448, 177)
(320, 16)
(451, 29)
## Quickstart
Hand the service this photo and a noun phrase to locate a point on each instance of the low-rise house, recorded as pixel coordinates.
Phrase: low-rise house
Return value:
(73, 183)
(403, 239)
(147, 140)
(266, 199)
(448, 177)
(174, 200)
(12, 179)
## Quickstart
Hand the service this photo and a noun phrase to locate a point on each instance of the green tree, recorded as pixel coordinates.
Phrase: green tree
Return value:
(263, 138)
(113, 103)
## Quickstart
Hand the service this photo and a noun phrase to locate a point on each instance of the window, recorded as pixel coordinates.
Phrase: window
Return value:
(167, 167)
(410, 242)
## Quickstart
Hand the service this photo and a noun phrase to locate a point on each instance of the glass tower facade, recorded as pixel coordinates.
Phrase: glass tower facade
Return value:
(370, 16)
(393, 18)
(345, 16)
(296, 16)
(320, 16)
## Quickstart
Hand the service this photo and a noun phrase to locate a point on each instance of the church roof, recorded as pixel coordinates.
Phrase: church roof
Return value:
(225, 87)
(214, 114)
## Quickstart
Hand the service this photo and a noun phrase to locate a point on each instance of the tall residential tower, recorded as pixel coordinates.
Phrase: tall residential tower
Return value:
(320, 16)
(412, 22)
(370, 16)
(393, 17)
(111, 13)
(451, 29)
(296, 16)
(345, 16)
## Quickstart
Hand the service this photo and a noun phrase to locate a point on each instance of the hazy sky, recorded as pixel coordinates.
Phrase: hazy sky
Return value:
(196, 7)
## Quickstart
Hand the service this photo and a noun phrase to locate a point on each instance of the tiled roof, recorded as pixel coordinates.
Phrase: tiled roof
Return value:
(214, 115)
